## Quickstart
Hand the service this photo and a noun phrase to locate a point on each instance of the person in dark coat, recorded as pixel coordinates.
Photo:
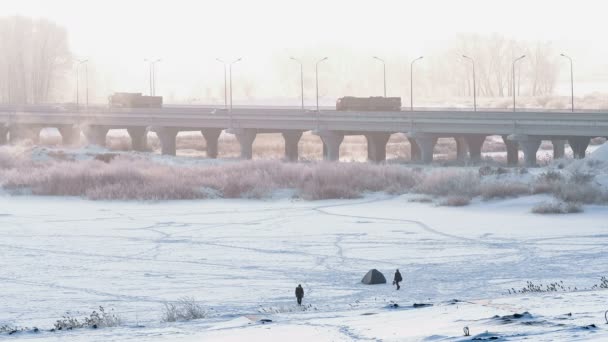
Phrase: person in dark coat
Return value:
(397, 279)
(299, 294)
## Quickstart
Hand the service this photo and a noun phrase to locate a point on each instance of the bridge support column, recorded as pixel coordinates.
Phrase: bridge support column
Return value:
(331, 144)
(96, 135)
(292, 138)
(70, 135)
(426, 142)
(559, 148)
(167, 136)
(579, 146)
(529, 144)
(246, 137)
(461, 148)
(376, 146)
(414, 150)
(139, 138)
(19, 133)
(3, 135)
(474, 145)
(512, 151)
(212, 136)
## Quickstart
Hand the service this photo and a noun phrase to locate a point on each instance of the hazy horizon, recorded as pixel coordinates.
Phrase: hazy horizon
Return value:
(116, 37)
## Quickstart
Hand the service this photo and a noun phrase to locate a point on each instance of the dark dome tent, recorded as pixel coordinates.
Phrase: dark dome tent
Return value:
(373, 277)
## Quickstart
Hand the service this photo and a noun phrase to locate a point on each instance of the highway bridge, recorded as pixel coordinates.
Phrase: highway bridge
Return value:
(520, 130)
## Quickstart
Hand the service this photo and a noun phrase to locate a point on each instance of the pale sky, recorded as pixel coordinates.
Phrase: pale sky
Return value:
(116, 35)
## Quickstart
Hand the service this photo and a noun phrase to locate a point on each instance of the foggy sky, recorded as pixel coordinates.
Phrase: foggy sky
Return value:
(116, 35)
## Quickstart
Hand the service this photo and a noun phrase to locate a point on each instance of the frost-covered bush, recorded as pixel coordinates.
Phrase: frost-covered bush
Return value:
(101, 319)
(580, 193)
(498, 189)
(449, 182)
(184, 309)
(557, 208)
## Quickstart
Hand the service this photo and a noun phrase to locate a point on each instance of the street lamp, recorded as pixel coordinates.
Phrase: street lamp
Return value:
(571, 80)
(301, 78)
(384, 72)
(317, 78)
(152, 74)
(412, 83)
(225, 84)
(513, 78)
(474, 85)
(79, 62)
(230, 71)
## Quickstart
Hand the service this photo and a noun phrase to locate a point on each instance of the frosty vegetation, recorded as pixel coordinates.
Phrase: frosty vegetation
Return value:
(136, 177)
(184, 309)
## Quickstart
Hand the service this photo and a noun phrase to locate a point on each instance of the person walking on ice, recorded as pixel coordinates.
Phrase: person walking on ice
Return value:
(299, 294)
(397, 279)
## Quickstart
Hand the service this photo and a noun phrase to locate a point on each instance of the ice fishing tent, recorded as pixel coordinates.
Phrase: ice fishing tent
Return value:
(373, 277)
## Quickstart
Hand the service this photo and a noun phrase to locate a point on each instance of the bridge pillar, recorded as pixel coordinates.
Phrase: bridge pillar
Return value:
(512, 151)
(414, 150)
(376, 146)
(461, 148)
(70, 135)
(19, 133)
(579, 146)
(426, 143)
(474, 145)
(3, 135)
(559, 148)
(96, 135)
(529, 145)
(246, 137)
(212, 136)
(167, 136)
(139, 138)
(331, 144)
(292, 138)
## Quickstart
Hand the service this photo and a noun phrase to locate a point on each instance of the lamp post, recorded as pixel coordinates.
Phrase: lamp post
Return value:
(384, 72)
(78, 63)
(571, 80)
(230, 71)
(474, 85)
(301, 78)
(152, 74)
(225, 84)
(317, 78)
(513, 78)
(412, 83)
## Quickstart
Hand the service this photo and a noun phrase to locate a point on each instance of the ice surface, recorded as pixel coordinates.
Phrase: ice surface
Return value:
(243, 258)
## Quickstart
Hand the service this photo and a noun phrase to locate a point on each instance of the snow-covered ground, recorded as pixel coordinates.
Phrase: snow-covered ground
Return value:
(243, 258)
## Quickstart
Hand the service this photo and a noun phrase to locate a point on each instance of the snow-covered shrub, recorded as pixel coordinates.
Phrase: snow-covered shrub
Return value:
(557, 208)
(499, 189)
(449, 182)
(184, 309)
(580, 193)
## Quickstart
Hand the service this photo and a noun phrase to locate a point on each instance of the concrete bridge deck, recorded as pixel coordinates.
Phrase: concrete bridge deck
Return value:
(525, 129)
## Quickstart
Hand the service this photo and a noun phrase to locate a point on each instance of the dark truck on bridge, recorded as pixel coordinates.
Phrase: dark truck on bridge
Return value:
(375, 103)
(134, 100)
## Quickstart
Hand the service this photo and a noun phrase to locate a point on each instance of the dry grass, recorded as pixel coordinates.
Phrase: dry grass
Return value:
(126, 177)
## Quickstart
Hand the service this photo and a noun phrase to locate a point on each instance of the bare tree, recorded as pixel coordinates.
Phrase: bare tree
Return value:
(36, 59)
